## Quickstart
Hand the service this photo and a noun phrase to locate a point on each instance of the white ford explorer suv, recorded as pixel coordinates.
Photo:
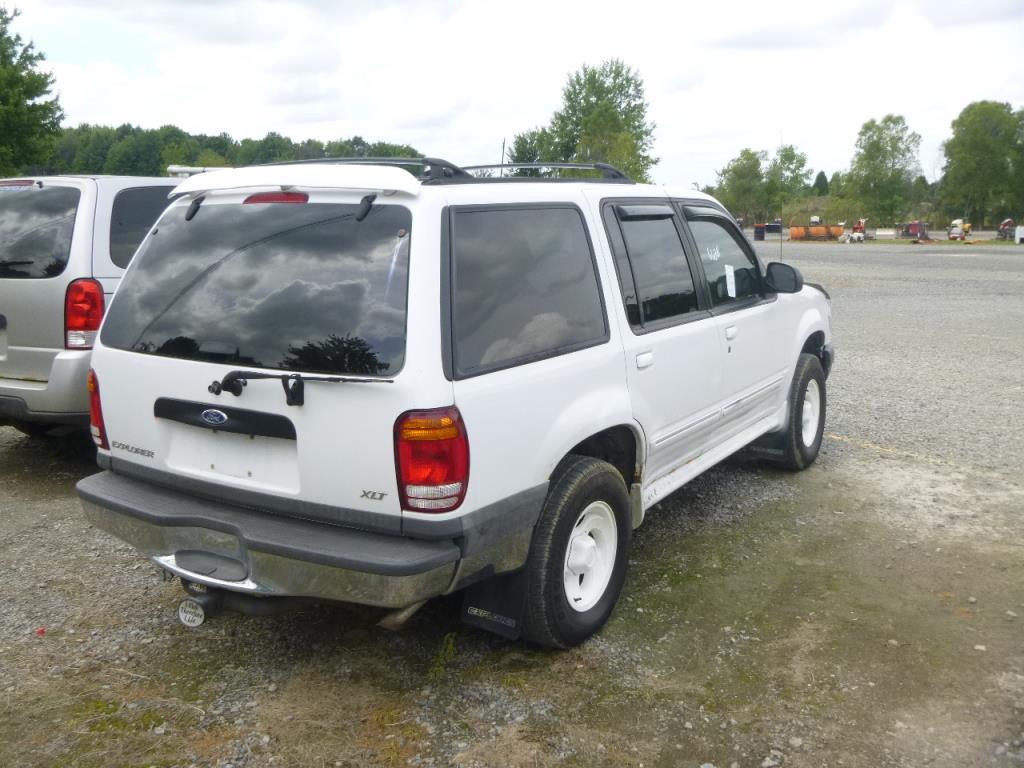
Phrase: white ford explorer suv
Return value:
(357, 382)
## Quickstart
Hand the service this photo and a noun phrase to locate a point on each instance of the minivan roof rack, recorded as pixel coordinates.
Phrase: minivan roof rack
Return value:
(609, 172)
(437, 168)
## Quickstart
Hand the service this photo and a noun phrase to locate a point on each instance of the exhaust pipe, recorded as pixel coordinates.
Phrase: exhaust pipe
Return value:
(395, 620)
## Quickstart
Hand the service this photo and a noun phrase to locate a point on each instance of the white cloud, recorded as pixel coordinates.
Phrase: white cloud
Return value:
(454, 77)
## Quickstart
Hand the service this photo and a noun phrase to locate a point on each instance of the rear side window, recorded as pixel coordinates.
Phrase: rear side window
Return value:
(731, 272)
(36, 225)
(524, 287)
(133, 213)
(297, 287)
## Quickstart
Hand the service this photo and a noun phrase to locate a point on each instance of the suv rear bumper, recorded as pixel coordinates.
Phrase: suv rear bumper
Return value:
(238, 549)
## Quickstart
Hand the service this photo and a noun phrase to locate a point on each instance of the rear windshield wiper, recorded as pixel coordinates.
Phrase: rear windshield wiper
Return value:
(293, 383)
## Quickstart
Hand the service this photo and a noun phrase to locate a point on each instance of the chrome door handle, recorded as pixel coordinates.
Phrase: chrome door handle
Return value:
(645, 360)
(730, 333)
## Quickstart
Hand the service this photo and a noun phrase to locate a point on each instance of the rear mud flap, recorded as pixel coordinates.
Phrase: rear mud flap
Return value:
(496, 604)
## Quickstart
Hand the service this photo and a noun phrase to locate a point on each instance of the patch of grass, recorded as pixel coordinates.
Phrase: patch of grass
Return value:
(444, 656)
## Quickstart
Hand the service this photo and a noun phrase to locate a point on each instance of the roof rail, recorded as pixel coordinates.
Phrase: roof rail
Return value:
(436, 168)
(609, 172)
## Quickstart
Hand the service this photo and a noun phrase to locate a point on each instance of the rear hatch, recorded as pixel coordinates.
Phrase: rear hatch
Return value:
(44, 243)
(283, 285)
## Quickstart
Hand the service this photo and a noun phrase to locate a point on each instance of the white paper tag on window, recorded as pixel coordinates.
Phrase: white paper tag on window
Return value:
(730, 281)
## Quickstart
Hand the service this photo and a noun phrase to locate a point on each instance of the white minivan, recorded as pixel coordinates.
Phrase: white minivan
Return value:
(380, 383)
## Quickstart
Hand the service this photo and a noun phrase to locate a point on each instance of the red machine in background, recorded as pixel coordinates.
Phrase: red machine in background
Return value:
(915, 230)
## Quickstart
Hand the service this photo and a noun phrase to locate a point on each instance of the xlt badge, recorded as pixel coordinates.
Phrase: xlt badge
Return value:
(373, 495)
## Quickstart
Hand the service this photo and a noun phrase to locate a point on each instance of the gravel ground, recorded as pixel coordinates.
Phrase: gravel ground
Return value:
(865, 612)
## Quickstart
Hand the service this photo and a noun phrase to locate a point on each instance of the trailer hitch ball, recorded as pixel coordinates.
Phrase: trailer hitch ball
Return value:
(194, 609)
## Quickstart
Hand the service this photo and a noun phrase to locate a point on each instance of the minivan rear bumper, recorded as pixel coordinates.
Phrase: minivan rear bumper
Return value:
(239, 549)
(61, 399)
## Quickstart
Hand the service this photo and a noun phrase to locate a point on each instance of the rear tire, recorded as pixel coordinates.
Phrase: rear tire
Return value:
(801, 440)
(578, 556)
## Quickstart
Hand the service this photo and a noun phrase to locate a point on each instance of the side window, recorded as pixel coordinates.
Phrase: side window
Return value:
(133, 213)
(653, 272)
(524, 287)
(732, 273)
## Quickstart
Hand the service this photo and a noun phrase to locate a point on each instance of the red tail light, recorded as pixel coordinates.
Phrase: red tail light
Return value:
(277, 197)
(83, 312)
(96, 426)
(432, 457)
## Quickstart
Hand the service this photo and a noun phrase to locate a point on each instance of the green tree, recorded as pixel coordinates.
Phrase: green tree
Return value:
(138, 154)
(978, 175)
(883, 168)
(29, 120)
(837, 184)
(533, 146)
(820, 186)
(786, 178)
(603, 119)
(208, 158)
(741, 186)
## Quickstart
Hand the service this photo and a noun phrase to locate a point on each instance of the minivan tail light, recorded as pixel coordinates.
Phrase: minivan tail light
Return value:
(96, 425)
(432, 459)
(277, 197)
(83, 313)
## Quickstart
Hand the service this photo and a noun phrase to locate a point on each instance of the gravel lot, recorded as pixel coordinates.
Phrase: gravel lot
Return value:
(866, 612)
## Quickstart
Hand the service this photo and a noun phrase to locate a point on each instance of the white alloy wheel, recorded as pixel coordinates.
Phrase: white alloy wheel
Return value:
(590, 556)
(811, 413)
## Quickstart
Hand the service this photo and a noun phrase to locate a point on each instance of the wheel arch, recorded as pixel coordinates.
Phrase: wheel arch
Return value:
(620, 445)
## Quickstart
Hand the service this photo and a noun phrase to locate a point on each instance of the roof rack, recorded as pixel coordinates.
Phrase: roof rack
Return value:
(435, 168)
(609, 172)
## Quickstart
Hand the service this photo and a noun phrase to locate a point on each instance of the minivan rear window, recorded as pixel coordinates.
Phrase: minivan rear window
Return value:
(298, 287)
(35, 229)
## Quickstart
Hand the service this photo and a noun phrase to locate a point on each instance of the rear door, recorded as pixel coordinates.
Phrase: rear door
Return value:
(673, 358)
(45, 243)
(275, 284)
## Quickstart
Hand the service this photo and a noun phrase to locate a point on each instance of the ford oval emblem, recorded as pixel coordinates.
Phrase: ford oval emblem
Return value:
(213, 417)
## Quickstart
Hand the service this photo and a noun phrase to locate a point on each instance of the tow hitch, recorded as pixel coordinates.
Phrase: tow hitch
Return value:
(193, 610)
(203, 602)
(200, 603)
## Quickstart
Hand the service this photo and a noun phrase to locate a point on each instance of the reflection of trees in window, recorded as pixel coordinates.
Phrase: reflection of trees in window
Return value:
(336, 354)
(189, 349)
(179, 346)
(7, 269)
(669, 305)
(54, 268)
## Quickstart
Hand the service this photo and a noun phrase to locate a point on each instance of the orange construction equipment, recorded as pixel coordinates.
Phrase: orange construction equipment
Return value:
(817, 232)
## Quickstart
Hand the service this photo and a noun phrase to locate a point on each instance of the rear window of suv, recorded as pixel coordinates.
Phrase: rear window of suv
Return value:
(297, 287)
(35, 229)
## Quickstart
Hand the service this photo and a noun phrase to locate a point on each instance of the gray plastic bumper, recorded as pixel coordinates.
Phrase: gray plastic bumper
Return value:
(234, 548)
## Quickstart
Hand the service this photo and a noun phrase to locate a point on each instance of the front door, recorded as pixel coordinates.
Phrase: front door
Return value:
(754, 346)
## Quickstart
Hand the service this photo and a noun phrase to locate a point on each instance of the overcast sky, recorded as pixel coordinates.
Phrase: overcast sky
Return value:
(455, 77)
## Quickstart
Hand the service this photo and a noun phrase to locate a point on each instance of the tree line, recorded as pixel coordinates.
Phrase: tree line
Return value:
(982, 178)
(135, 151)
(602, 119)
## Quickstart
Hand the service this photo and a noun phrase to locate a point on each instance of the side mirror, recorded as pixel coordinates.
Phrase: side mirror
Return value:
(782, 278)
